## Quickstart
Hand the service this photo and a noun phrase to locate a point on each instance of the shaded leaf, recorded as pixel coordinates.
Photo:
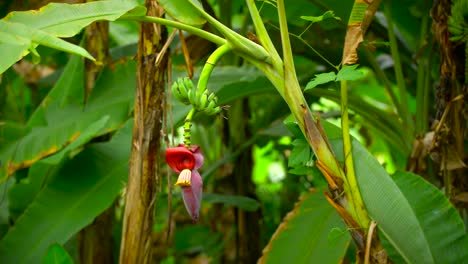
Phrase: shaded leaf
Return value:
(193, 239)
(74, 196)
(61, 119)
(300, 154)
(56, 254)
(21, 194)
(384, 121)
(303, 236)
(242, 202)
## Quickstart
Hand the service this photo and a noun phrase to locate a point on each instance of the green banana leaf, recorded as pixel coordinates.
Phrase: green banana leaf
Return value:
(305, 235)
(73, 197)
(439, 220)
(56, 254)
(62, 118)
(414, 224)
(22, 31)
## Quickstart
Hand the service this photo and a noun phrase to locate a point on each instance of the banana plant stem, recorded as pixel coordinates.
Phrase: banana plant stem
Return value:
(193, 30)
(361, 213)
(209, 66)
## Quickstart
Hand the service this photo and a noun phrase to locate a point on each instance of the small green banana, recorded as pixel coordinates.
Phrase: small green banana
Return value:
(176, 92)
(203, 100)
(210, 106)
(188, 83)
(213, 110)
(183, 90)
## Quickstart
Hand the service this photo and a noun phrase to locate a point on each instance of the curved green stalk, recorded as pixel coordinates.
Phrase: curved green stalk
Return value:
(361, 213)
(209, 66)
(196, 31)
(187, 127)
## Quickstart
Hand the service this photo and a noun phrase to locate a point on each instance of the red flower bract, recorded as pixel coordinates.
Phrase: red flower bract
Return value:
(187, 162)
(180, 158)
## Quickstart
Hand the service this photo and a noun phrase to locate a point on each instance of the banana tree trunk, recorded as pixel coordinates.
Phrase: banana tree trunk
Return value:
(144, 175)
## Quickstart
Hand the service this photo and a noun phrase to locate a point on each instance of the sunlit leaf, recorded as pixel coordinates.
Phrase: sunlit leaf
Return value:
(29, 38)
(66, 20)
(183, 11)
(22, 31)
(327, 15)
(349, 73)
(321, 79)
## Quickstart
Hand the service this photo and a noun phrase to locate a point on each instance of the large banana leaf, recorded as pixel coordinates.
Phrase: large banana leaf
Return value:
(420, 224)
(21, 32)
(439, 220)
(73, 197)
(56, 254)
(305, 235)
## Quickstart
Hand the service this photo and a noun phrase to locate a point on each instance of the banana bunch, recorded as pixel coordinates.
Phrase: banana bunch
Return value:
(457, 25)
(203, 101)
(180, 89)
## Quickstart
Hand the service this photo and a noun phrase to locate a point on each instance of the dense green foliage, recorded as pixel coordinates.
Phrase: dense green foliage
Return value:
(64, 154)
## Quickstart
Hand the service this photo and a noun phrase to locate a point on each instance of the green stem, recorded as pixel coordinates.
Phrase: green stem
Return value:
(291, 91)
(406, 116)
(383, 78)
(193, 30)
(421, 88)
(209, 66)
(310, 47)
(361, 213)
(187, 127)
